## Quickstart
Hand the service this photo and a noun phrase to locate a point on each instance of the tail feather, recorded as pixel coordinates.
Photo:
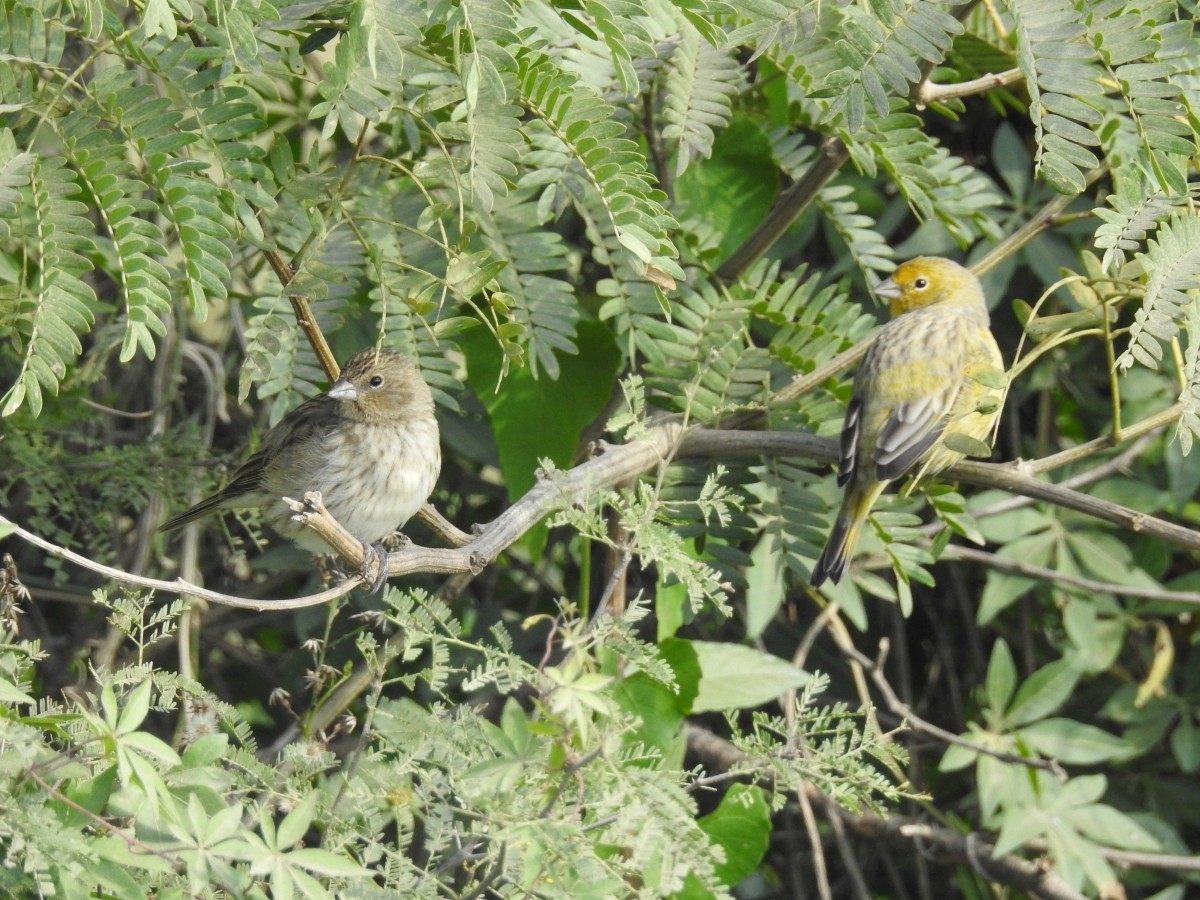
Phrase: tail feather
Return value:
(843, 537)
(201, 509)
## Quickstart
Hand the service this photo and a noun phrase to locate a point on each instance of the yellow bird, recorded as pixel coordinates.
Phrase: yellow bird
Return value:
(922, 380)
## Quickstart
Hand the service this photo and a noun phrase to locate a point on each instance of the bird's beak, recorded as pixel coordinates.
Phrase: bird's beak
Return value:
(343, 390)
(889, 290)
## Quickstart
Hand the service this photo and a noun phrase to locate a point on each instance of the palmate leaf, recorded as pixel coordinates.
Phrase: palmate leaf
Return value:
(56, 306)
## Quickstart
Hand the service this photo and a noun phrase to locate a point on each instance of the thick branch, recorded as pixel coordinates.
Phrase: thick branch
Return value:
(1005, 476)
(792, 202)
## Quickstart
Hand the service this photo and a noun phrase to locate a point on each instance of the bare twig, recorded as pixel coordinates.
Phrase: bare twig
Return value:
(1017, 567)
(930, 92)
(1033, 877)
(903, 711)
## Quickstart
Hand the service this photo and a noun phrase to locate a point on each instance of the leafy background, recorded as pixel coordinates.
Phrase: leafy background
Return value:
(595, 224)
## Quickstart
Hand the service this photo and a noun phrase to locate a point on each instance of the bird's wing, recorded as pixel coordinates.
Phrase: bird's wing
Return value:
(311, 418)
(851, 429)
(911, 429)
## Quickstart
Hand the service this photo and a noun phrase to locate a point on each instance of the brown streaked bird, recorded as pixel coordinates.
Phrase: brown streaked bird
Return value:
(369, 444)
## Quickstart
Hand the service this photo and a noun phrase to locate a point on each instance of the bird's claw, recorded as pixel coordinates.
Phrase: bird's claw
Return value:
(374, 568)
(397, 540)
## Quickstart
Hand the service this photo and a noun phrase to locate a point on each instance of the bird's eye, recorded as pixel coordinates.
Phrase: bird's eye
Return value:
(376, 381)
(921, 283)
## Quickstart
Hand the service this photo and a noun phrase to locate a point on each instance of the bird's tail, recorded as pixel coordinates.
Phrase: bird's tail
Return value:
(843, 538)
(203, 508)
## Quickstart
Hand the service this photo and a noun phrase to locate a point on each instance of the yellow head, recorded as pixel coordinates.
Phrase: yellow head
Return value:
(928, 281)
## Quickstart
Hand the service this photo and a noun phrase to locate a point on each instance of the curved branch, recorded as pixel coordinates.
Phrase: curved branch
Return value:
(179, 586)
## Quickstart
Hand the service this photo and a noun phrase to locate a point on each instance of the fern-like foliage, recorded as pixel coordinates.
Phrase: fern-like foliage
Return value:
(583, 131)
(698, 89)
(1133, 212)
(1143, 50)
(936, 184)
(55, 305)
(1172, 267)
(369, 53)
(98, 155)
(1054, 57)
(881, 51)
(703, 359)
(544, 306)
(1189, 397)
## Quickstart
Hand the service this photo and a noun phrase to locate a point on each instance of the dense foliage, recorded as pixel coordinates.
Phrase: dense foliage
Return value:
(630, 245)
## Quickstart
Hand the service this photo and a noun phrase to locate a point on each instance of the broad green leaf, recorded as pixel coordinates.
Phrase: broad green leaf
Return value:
(737, 677)
(1001, 678)
(1074, 742)
(1042, 693)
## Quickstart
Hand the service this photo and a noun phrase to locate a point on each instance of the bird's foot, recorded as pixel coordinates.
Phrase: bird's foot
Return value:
(374, 568)
(397, 540)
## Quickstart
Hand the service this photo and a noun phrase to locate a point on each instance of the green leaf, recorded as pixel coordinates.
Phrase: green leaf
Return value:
(292, 829)
(659, 715)
(1042, 693)
(741, 826)
(1185, 744)
(1001, 678)
(737, 677)
(765, 590)
(325, 863)
(1073, 742)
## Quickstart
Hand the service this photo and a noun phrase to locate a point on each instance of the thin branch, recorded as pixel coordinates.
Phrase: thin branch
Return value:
(931, 92)
(1005, 476)
(615, 464)
(179, 586)
(133, 843)
(300, 306)
(903, 711)
(1017, 567)
(1033, 877)
(1089, 449)
(1043, 220)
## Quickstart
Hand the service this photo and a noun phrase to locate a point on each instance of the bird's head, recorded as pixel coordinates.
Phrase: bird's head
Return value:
(382, 385)
(931, 280)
